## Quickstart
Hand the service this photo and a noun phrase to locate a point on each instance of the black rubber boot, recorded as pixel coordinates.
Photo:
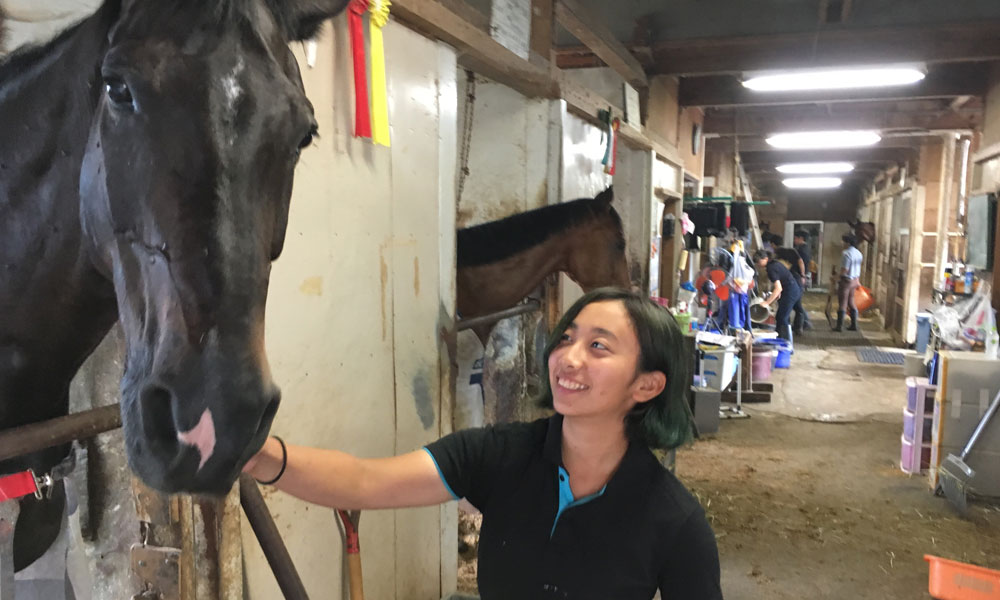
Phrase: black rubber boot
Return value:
(840, 321)
(854, 320)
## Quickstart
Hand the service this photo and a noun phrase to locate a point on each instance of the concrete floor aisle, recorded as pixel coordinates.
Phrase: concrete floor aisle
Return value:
(806, 497)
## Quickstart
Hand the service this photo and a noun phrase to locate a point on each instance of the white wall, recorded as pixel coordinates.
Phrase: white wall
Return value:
(356, 304)
(583, 176)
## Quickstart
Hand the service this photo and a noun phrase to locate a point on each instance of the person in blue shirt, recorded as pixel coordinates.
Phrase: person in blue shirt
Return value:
(575, 506)
(850, 274)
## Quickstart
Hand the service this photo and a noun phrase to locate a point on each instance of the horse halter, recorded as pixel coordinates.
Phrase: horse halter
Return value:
(27, 483)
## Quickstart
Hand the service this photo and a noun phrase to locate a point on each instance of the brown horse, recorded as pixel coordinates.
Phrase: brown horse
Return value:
(146, 167)
(864, 231)
(501, 262)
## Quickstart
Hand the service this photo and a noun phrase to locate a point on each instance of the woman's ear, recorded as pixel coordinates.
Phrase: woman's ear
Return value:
(648, 386)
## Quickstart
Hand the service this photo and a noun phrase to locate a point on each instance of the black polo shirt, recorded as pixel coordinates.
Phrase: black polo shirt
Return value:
(805, 254)
(790, 256)
(789, 285)
(643, 531)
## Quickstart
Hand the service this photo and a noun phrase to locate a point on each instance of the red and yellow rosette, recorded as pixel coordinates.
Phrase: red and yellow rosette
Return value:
(362, 118)
(380, 111)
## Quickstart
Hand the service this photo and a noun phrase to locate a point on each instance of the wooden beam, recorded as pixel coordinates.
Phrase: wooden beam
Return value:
(986, 154)
(466, 11)
(543, 24)
(596, 36)
(752, 147)
(976, 41)
(944, 81)
(761, 121)
(476, 49)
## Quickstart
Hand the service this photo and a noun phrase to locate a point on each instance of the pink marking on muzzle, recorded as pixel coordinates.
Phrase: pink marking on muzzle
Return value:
(202, 437)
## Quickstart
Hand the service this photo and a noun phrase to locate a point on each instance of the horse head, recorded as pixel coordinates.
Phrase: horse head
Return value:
(598, 259)
(184, 197)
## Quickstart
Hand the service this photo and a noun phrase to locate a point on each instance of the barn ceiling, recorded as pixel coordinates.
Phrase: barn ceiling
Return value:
(712, 44)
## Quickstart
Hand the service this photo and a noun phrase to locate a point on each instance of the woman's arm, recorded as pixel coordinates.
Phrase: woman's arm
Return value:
(774, 295)
(339, 480)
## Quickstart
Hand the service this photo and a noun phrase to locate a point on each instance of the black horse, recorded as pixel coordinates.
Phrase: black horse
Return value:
(146, 165)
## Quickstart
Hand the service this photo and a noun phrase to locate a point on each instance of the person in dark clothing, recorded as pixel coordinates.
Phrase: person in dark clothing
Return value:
(791, 259)
(575, 506)
(802, 321)
(786, 291)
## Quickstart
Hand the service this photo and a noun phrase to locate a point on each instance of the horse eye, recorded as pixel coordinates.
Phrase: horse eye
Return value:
(118, 92)
(308, 140)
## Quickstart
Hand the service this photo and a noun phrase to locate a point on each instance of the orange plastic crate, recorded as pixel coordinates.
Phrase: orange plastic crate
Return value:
(952, 580)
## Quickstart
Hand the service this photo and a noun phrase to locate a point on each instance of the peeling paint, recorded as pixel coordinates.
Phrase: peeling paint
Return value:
(312, 286)
(416, 276)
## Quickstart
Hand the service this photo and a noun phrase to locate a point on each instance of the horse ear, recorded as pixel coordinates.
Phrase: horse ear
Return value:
(607, 195)
(305, 17)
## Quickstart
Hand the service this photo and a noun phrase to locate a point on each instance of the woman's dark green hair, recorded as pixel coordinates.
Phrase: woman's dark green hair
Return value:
(665, 421)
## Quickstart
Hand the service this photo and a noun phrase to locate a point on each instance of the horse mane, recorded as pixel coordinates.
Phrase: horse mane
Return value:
(497, 240)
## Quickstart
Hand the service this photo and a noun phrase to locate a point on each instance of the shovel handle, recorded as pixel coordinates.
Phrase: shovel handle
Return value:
(982, 425)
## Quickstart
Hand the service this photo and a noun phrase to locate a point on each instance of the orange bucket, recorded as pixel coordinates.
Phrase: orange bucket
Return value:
(952, 580)
(863, 298)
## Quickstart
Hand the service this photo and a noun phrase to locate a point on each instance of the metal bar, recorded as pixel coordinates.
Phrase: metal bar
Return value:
(270, 540)
(39, 436)
(520, 309)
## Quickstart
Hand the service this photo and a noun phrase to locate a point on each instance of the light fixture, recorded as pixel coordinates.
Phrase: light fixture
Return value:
(834, 79)
(823, 139)
(812, 183)
(817, 168)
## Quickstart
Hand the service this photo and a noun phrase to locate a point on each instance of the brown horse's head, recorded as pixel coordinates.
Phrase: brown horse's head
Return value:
(597, 259)
(185, 190)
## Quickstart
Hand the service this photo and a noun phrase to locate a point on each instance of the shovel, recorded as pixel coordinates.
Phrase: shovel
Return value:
(955, 474)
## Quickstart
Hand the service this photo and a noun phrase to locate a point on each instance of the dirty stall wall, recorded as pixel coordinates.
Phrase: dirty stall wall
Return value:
(583, 176)
(360, 306)
(508, 173)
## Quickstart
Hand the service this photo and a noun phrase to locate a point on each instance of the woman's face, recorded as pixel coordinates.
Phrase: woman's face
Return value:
(593, 370)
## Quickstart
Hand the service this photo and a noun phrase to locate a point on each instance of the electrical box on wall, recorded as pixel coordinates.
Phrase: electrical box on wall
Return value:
(981, 231)
(669, 223)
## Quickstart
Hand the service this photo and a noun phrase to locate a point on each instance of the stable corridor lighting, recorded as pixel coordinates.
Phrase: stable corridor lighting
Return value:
(812, 183)
(817, 168)
(834, 79)
(823, 139)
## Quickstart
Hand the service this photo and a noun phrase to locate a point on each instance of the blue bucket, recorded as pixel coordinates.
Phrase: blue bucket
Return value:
(784, 358)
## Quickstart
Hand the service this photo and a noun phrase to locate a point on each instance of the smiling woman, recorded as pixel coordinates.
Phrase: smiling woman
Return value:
(575, 505)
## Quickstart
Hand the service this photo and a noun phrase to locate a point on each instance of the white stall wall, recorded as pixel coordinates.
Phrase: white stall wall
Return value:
(508, 152)
(360, 304)
(633, 201)
(583, 176)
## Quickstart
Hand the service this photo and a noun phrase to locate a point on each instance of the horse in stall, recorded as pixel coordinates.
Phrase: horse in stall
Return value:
(501, 262)
(864, 231)
(146, 170)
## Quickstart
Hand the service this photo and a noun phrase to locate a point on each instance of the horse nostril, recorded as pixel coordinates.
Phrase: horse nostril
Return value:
(269, 411)
(157, 415)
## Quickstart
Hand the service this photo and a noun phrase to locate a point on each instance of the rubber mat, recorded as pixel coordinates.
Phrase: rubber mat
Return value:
(879, 357)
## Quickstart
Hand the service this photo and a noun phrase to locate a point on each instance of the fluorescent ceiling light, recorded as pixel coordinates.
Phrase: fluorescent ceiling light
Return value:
(815, 168)
(834, 79)
(823, 139)
(812, 183)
